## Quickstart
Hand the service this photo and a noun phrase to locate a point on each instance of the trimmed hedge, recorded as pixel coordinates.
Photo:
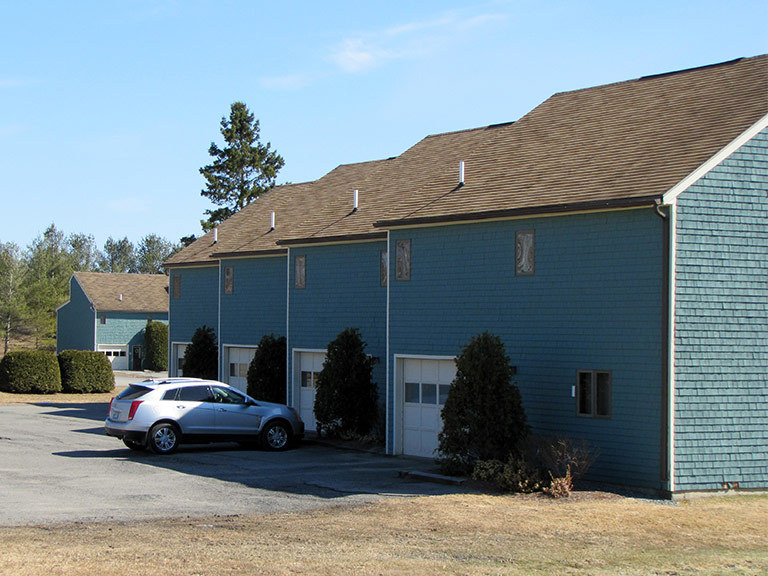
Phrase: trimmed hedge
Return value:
(156, 346)
(30, 372)
(85, 372)
(201, 357)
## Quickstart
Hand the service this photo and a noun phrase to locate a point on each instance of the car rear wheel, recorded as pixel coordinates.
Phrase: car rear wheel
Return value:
(133, 445)
(164, 438)
(276, 435)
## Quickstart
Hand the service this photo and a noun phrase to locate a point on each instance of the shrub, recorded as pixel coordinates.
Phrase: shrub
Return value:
(346, 397)
(201, 357)
(84, 372)
(30, 372)
(548, 464)
(483, 416)
(156, 346)
(267, 371)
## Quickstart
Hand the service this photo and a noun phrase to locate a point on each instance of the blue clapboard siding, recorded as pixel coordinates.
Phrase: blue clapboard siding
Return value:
(721, 343)
(257, 304)
(197, 305)
(343, 290)
(75, 321)
(594, 303)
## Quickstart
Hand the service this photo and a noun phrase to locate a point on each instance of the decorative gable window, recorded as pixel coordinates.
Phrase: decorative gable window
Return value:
(383, 267)
(300, 272)
(403, 260)
(593, 394)
(176, 286)
(229, 280)
(524, 252)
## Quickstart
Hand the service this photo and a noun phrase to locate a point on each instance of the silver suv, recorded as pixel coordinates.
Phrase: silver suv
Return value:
(161, 414)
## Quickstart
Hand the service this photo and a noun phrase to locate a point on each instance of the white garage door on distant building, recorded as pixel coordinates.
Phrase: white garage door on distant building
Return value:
(424, 383)
(117, 355)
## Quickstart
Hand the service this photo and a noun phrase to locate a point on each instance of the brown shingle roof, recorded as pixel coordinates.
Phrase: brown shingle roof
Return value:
(623, 141)
(628, 142)
(140, 292)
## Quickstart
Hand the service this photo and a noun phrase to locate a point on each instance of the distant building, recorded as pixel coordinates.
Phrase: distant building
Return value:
(109, 312)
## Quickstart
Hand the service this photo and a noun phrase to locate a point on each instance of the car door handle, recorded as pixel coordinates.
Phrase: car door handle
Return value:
(181, 406)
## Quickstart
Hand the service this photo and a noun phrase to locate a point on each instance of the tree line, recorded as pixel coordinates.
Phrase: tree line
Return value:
(35, 281)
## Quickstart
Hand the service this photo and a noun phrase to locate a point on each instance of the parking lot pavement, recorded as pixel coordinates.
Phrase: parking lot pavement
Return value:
(57, 466)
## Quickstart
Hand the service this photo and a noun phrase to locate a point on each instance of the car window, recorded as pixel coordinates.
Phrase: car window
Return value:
(227, 396)
(132, 392)
(170, 394)
(195, 394)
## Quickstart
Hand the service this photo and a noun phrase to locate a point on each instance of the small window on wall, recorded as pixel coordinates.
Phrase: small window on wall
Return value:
(403, 260)
(229, 280)
(102, 317)
(593, 394)
(238, 370)
(383, 267)
(177, 286)
(308, 379)
(524, 252)
(300, 272)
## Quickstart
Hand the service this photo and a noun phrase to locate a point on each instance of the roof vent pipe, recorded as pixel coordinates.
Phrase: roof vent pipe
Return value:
(215, 235)
(272, 221)
(461, 173)
(357, 196)
(120, 297)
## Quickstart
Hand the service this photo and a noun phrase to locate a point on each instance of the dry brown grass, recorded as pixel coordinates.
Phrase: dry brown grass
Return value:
(467, 534)
(6, 398)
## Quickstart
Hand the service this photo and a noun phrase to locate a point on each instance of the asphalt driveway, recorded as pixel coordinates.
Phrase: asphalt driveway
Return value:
(57, 465)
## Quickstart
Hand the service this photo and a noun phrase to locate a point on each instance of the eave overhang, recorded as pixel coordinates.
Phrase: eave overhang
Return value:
(551, 209)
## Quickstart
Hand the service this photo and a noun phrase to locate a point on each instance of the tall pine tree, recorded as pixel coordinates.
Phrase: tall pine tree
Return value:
(242, 170)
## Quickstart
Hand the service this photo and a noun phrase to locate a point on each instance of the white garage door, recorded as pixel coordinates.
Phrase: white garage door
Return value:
(178, 359)
(117, 355)
(308, 366)
(239, 362)
(425, 387)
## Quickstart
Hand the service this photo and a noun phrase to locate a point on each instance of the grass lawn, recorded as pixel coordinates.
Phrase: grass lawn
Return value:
(593, 533)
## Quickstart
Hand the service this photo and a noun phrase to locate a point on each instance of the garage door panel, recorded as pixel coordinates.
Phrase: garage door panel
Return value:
(425, 387)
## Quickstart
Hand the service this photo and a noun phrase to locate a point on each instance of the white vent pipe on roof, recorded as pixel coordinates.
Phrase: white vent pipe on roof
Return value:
(215, 235)
(356, 198)
(120, 297)
(272, 221)
(461, 173)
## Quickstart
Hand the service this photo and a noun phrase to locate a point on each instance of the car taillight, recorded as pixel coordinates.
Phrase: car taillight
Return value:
(109, 410)
(134, 406)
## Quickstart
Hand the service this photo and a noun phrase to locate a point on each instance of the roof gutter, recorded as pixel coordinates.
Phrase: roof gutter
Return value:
(592, 206)
(333, 239)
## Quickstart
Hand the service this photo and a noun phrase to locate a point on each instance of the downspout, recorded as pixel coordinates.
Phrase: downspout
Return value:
(666, 433)
(389, 414)
(288, 368)
(218, 327)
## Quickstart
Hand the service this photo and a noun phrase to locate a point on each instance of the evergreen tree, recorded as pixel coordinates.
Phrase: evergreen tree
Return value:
(201, 358)
(483, 416)
(152, 252)
(242, 170)
(346, 397)
(267, 371)
(83, 251)
(12, 305)
(49, 267)
(118, 256)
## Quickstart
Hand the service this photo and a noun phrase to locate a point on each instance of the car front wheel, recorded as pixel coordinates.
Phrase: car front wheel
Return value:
(276, 436)
(164, 438)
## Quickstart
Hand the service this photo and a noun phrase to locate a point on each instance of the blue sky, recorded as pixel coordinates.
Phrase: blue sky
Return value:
(107, 108)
